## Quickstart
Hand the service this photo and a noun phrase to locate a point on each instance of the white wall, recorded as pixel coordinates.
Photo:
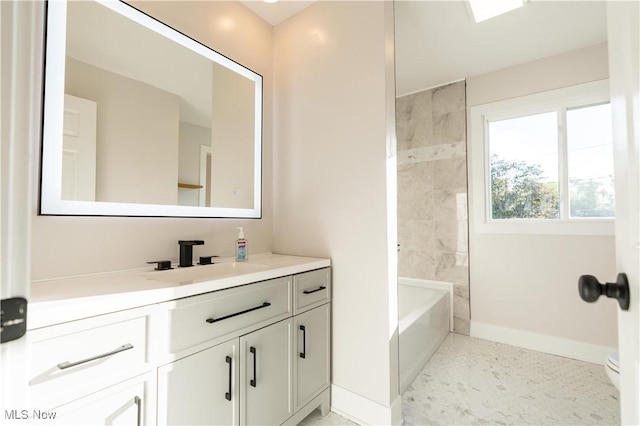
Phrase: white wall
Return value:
(529, 283)
(76, 245)
(136, 135)
(331, 99)
(232, 139)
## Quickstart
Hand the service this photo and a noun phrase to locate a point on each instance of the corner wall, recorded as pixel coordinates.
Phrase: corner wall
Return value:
(80, 245)
(524, 288)
(334, 145)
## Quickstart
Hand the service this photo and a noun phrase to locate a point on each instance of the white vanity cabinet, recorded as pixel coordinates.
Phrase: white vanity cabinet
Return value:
(247, 380)
(312, 342)
(272, 364)
(250, 352)
(97, 370)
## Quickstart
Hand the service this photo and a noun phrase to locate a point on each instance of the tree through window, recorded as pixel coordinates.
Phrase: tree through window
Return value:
(552, 165)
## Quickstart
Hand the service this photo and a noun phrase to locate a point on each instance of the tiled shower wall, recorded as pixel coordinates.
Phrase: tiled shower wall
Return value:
(432, 191)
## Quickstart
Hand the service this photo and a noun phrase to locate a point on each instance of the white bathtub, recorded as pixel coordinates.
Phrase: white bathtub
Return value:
(424, 310)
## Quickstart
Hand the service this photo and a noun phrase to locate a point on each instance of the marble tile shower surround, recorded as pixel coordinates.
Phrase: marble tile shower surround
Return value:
(432, 191)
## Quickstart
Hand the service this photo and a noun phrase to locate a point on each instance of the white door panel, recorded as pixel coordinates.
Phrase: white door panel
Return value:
(79, 149)
(624, 47)
(20, 88)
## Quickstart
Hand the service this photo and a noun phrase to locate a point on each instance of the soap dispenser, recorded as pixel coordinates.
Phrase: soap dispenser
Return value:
(241, 246)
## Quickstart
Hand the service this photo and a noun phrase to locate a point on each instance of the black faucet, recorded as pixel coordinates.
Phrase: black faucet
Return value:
(186, 251)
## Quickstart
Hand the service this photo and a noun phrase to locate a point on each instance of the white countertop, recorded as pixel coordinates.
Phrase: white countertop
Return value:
(70, 298)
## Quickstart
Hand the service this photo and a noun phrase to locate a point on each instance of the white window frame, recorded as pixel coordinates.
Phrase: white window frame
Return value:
(480, 186)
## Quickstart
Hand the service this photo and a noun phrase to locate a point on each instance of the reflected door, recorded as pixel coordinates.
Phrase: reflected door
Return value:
(79, 149)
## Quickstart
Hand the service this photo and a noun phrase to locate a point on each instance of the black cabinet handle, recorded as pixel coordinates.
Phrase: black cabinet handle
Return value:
(228, 394)
(138, 402)
(303, 354)
(253, 350)
(67, 364)
(212, 320)
(313, 291)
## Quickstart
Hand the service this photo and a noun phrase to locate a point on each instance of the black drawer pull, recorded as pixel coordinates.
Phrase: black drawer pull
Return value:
(303, 354)
(212, 320)
(253, 350)
(313, 291)
(227, 395)
(67, 364)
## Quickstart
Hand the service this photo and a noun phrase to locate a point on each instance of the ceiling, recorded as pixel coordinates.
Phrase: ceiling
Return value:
(274, 13)
(437, 41)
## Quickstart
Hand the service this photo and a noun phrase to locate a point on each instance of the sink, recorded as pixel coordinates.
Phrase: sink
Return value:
(205, 272)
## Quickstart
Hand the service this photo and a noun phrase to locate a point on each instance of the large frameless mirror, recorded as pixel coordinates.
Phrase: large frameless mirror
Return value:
(141, 120)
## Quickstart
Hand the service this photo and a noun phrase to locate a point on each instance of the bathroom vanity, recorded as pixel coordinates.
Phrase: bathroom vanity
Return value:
(230, 343)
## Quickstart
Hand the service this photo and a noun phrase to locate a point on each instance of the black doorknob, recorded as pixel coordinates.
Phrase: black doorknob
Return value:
(590, 289)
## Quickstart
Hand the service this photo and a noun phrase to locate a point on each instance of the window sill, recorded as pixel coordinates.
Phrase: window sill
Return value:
(547, 227)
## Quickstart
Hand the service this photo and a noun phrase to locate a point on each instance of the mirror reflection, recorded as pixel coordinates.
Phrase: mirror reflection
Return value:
(150, 118)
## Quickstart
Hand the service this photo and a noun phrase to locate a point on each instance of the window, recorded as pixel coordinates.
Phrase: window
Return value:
(523, 163)
(546, 163)
(590, 166)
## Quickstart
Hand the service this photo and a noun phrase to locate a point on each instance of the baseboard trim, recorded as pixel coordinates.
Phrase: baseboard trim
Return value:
(364, 411)
(588, 352)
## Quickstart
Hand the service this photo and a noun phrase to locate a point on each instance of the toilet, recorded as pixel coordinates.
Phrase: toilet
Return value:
(612, 365)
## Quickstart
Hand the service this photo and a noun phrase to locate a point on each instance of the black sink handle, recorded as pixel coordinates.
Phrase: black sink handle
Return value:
(163, 265)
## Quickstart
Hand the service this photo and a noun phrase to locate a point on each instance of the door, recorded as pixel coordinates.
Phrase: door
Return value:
(265, 376)
(79, 149)
(204, 194)
(20, 89)
(311, 354)
(200, 389)
(624, 47)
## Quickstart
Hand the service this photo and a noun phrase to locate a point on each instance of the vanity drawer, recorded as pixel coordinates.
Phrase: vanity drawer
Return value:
(73, 359)
(311, 289)
(201, 319)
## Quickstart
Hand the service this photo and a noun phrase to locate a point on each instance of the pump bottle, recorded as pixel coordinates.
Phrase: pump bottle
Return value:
(241, 246)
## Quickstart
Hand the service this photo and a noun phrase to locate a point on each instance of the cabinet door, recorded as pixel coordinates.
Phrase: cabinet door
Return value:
(312, 353)
(266, 375)
(129, 403)
(200, 389)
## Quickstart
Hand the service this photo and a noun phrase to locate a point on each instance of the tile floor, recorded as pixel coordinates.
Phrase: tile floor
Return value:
(474, 381)
(471, 381)
(331, 419)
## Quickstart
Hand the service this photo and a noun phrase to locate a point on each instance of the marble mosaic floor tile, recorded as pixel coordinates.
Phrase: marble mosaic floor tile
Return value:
(331, 419)
(471, 381)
